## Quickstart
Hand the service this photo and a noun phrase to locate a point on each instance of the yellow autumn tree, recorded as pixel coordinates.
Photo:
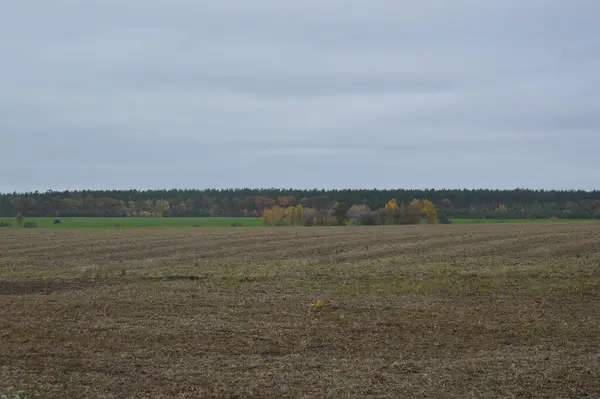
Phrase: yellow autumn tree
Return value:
(501, 208)
(273, 216)
(162, 208)
(291, 217)
(427, 209)
(279, 216)
(392, 205)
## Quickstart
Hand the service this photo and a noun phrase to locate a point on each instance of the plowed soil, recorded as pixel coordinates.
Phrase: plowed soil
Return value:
(502, 311)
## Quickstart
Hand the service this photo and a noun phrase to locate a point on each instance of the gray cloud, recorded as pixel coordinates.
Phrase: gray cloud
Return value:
(141, 94)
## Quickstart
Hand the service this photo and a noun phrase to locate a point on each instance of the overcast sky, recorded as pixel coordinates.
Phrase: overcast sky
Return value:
(311, 93)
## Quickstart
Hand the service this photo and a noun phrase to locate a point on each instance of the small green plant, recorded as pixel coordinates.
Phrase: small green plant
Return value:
(14, 393)
(318, 305)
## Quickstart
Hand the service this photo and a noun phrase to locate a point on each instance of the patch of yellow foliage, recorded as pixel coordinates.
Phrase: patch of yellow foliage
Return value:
(392, 205)
(427, 209)
(279, 216)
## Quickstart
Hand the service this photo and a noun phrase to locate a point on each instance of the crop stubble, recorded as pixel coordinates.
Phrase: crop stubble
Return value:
(417, 311)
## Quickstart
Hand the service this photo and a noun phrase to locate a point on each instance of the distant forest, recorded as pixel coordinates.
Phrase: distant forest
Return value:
(481, 203)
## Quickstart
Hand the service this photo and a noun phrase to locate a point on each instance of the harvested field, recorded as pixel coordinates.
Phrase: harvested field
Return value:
(506, 310)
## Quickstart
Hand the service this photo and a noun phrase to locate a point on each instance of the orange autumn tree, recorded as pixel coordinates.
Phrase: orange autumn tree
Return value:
(273, 216)
(392, 206)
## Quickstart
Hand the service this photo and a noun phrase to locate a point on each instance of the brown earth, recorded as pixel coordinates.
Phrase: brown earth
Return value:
(503, 311)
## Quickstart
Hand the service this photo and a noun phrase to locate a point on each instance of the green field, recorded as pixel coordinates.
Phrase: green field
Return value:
(73, 222)
(470, 221)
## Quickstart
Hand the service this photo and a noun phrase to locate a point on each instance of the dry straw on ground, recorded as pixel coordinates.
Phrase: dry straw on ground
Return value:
(414, 311)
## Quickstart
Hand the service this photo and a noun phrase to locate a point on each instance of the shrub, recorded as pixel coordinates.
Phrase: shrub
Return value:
(331, 221)
(385, 216)
(413, 214)
(443, 219)
(308, 217)
(56, 221)
(370, 219)
(339, 211)
(356, 212)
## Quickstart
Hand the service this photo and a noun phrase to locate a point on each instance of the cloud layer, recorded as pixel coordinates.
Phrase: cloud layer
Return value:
(342, 93)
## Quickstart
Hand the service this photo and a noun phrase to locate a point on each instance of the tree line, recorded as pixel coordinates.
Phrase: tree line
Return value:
(479, 203)
(340, 214)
